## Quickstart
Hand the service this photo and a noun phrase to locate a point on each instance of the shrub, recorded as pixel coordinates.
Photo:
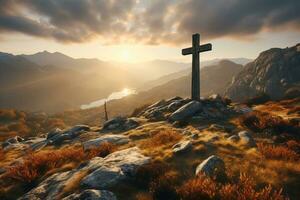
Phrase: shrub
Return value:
(37, 164)
(164, 187)
(259, 121)
(277, 152)
(103, 150)
(162, 138)
(149, 172)
(244, 188)
(259, 99)
(7, 114)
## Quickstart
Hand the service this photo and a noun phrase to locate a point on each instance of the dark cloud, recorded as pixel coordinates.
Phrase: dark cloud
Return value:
(156, 21)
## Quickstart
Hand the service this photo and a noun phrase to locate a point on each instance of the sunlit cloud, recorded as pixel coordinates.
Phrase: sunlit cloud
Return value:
(146, 22)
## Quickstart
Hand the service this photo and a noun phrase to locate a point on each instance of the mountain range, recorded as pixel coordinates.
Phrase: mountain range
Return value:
(53, 82)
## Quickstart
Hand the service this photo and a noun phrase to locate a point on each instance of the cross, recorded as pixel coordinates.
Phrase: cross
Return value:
(195, 50)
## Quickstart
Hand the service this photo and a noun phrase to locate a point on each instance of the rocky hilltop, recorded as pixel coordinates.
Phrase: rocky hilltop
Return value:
(275, 72)
(173, 149)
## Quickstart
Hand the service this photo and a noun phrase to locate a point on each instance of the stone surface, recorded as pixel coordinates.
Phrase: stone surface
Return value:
(233, 138)
(246, 139)
(54, 132)
(70, 134)
(120, 124)
(182, 146)
(111, 138)
(92, 195)
(212, 166)
(186, 111)
(102, 173)
(114, 168)
(274, 72)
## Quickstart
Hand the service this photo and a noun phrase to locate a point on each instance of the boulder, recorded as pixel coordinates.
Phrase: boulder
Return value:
(102, 172)
(182, 146)
(111, 138)
(233, 138)
(114, 168)
(92, 195)
(54, 132)
(186, 111)
(213, 166)
(69, 134)
(246, 139)
(49, 188)
(120, 124)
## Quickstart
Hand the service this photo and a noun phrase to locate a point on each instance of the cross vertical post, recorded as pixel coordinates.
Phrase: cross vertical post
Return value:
(195, 68)
(195, 50)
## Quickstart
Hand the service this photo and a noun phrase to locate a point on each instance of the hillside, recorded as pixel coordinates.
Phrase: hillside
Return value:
(173, 149)
(29, 86)
(274, 72)
(213, 80)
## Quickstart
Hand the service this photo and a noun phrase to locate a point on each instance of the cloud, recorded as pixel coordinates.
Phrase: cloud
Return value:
(152, 22)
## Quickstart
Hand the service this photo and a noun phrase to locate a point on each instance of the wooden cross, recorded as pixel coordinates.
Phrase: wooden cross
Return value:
(195, 50)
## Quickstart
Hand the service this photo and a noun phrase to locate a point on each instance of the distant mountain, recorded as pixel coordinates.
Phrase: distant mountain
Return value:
(274, 72)
(27, 85)
(152, 70)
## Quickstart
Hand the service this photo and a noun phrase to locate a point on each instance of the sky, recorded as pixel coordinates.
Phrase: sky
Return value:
(140, 30)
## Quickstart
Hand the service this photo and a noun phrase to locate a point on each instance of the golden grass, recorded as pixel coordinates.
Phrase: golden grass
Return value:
(203, 187)
(278, 152)
(259, 121)
(163, 137)
(37, 164)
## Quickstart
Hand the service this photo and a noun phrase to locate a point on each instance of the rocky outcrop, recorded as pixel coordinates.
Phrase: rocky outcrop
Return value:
(111, 138)
(178, 110)
(243, 138)
(101, 173)
(57, 137)
(213, 166)
(92, 195)
(114, 168)
(182, 146)
(186, 111)
(120, 124)
(274, 72)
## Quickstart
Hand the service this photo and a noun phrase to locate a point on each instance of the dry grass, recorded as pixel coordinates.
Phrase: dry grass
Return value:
(259, 121)
(149, 172)
(2, 155)
(36, 165)
(163, 137)
(101, 151)
(294, 110)
(242, 189)
(278, 152)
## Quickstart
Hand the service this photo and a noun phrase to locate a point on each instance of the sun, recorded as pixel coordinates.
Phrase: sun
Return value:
(125, 55)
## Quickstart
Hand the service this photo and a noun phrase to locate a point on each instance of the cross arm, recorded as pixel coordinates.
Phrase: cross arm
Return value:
(201, 48)
(187, 51)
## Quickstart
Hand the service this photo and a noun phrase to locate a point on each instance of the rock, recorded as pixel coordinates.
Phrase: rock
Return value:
(69, 134)
(103, 172)
(246, 139)
(212, 166)
(49, 188)
(114, 168)
(215, 97)
(186, 111)
(111, 138)
(13, 140)
(92, 195)
(174, 105)
(182, 146)
(233, 138)
(159, 103)
(120, 124)
(54, 132)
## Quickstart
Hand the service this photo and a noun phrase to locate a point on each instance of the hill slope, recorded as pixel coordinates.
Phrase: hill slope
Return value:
(274, 72)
